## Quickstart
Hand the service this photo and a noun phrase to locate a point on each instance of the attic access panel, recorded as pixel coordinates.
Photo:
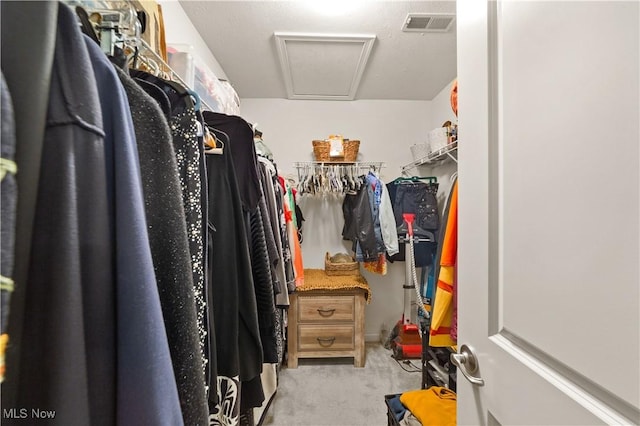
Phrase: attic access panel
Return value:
(323, 66)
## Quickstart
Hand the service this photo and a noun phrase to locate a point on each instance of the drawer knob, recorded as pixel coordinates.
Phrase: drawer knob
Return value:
(326, 341)
(326, 312)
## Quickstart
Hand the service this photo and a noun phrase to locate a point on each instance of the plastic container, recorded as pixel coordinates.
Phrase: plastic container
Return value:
(438, 138)
(419, 151)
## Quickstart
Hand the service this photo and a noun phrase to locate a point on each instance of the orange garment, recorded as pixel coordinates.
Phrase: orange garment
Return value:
(297, 255)
(433, 406)
(379, 266)
(442, 318)
(292, 231)
(4, 340)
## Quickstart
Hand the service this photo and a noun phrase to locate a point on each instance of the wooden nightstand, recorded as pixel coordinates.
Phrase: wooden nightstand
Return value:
(326, 323)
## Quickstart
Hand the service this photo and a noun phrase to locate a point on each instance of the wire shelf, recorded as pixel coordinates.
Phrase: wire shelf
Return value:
(448, 152)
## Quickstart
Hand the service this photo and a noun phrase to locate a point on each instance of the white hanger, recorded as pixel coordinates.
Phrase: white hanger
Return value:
(216, 150)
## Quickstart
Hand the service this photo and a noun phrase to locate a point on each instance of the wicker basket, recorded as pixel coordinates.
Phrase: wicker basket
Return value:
(351, 148)
(322, 149)
(347, 268)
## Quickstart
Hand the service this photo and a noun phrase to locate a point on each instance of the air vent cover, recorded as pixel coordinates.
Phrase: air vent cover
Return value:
(427, 22)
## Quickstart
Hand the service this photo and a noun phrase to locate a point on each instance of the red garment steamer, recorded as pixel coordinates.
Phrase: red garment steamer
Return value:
(406, 342)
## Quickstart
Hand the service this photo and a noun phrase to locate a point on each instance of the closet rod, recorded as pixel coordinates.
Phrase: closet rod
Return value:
(97, 6)
(327, 164)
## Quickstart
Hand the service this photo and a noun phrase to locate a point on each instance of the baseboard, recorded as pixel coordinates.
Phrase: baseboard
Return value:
(373, 337)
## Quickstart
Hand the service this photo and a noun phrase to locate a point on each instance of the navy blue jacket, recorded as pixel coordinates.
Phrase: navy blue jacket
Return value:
(146, 390)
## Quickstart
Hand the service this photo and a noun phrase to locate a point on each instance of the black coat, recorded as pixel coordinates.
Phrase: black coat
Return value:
(358, 223)
(167, 229)
(66, 359)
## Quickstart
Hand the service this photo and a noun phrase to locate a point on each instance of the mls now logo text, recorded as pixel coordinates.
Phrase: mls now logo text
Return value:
(24, 413)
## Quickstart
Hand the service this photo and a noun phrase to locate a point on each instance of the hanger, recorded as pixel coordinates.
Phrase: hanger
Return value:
(86, 25)
(217, 150)
(214, 143)
(209, 139)
(414, 179)
(219, 137)
(196, 98)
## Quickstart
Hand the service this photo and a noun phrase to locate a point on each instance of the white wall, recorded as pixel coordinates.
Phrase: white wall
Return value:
(180, 30)
(441, 108)
(440, 112)
(386, 129)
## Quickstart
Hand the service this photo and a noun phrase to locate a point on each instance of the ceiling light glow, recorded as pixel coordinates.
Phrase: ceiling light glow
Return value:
(334, 7)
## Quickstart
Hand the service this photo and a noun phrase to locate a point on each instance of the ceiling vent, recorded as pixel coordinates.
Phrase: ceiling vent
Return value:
(428, 22)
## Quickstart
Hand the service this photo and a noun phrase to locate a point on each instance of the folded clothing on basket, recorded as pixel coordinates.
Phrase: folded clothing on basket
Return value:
(433, 406)
(397, 408)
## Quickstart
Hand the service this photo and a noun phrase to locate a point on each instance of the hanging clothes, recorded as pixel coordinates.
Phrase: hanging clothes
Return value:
(8, 202)
(167, 229)
(419, 198)
(92, 313)
(383, 224)
(146, 394)
(359, 225)
(442, 318)
(192, 174)
(146, 301)
(68, 220)
(233, 309)
(245, 161)
(263, 285)
(388, 223)
(270, 186)
(240, 146)
(292, 231)
(26, 65)
(287, 243)
(374, 192)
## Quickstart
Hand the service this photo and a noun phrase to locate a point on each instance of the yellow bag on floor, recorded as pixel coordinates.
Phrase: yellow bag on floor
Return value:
(433, 406)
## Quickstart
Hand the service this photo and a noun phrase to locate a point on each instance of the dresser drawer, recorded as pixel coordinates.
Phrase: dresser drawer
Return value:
(326, 308)
(325, 338)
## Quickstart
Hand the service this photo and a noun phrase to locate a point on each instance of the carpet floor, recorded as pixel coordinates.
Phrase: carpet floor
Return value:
(334, 392)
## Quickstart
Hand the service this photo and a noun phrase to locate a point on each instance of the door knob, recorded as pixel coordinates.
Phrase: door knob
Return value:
(467, 364)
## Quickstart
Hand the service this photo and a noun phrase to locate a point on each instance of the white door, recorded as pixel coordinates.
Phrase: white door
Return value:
(549, 223)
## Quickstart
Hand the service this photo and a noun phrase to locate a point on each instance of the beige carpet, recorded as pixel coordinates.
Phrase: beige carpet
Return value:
(333, 392)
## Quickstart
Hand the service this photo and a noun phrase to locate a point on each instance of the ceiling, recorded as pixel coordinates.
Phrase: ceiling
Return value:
(401, 65)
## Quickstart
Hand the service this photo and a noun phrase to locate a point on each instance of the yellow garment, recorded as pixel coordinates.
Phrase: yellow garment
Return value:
(7, 166)
(440, 334)
(433, 406)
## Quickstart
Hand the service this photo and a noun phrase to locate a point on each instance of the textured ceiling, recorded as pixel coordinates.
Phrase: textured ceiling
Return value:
(401, 65)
